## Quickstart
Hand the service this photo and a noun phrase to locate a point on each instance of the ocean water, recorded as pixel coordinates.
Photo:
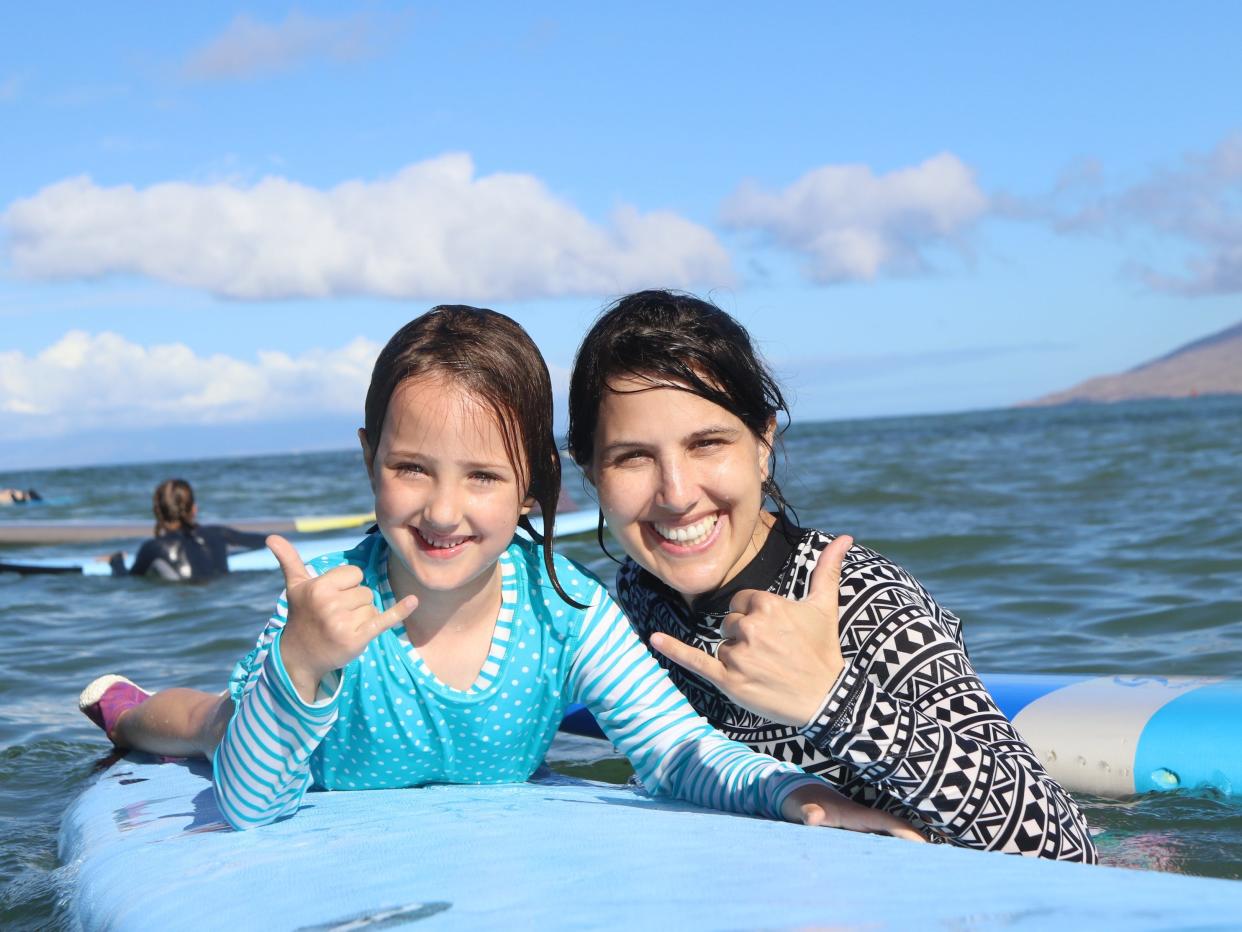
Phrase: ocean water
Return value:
(1071, 540)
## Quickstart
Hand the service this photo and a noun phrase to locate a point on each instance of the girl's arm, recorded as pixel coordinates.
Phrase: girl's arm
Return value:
(241, 540)
(147, 553)
(673, 750)
(261, 768)
(323, 621)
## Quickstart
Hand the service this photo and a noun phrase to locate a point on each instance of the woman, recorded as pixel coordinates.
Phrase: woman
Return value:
(672, 418)
(183, 549)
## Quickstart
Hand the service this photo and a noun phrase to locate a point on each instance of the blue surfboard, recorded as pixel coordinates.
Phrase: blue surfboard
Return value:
(148, 850)
(1110, 735)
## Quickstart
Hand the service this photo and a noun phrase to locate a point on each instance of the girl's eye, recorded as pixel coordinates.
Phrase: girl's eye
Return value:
(485, 477)
(409, 469)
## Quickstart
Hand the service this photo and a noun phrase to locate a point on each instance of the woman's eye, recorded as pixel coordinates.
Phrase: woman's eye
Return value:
(631, 458)
(708, 443)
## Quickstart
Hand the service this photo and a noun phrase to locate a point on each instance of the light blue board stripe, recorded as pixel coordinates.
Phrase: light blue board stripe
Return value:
(567, 525)
(1013, 692)
(1194, 741)
(149, 852)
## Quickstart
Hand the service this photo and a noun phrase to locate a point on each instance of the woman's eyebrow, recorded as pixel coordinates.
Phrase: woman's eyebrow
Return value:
(715, 430)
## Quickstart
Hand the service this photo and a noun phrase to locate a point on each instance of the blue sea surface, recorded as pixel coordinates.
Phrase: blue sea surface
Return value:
(1069, 540)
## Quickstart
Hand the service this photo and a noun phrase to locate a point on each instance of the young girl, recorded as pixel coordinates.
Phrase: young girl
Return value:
(855, 673)
(182, 549)
(443, 648)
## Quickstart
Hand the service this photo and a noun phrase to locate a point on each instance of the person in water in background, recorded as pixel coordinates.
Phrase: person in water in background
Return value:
(852, 670)
(182, 549)
(444, 648)
(19, 496)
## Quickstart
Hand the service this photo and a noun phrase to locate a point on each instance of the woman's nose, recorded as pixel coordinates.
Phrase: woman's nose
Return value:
(678, 493)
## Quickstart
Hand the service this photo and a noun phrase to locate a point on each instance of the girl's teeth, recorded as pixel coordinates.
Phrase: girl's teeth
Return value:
(690, 534)
(441, 543)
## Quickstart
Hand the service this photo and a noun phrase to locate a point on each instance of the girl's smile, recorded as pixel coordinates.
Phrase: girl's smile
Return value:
(447, 498)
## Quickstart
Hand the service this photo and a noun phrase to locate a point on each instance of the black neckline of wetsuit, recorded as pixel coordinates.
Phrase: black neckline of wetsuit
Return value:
(783, 537)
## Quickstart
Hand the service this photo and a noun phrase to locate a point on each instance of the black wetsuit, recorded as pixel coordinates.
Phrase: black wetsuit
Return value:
(198, 553)
(907, 728)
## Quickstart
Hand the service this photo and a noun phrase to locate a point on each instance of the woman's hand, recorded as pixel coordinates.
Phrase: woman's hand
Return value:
(822, 805)
(332, 618)
(779, 657)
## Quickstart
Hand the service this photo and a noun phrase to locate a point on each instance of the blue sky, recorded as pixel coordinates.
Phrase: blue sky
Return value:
(212, 216)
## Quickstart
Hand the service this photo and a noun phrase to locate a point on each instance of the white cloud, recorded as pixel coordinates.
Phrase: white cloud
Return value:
(434, 230)
(85, 380)
(1198, 204)
(248, 48)
(852, 224)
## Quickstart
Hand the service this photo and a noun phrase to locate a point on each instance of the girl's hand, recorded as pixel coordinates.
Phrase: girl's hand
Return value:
(332, 618)
(779, 657)
(822, 805)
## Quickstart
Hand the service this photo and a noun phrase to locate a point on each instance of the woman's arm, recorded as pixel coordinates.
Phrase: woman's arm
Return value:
(905, 712)
(909, 715)
(677, 753)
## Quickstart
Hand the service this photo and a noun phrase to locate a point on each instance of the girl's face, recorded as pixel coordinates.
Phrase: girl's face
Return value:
(680, 484)
(447, 498)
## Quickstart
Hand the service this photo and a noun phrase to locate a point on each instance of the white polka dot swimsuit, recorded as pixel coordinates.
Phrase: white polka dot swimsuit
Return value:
(386, 720)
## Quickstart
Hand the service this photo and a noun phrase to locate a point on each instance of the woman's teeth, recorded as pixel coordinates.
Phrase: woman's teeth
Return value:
(440, 543)
(689, 534)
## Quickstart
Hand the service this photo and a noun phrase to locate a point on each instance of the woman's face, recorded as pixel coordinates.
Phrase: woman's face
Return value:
(680, 483)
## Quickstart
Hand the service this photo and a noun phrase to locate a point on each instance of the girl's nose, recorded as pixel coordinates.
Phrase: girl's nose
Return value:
(443, 508)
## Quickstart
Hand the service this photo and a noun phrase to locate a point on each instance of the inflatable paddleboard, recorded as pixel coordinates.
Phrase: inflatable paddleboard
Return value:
(567, 525)
(1111, 735)
(73, 532)
(86, 531)
(146, 848)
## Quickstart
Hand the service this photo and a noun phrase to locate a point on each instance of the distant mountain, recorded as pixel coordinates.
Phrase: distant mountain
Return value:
(1211, 366)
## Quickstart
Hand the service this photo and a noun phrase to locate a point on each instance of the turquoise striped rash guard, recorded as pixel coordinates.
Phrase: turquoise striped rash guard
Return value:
(385, 720)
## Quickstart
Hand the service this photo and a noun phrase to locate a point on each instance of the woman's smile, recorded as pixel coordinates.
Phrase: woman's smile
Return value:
(680, 482)
(689, 538)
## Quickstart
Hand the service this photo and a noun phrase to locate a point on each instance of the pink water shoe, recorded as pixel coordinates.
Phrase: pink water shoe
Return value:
(107, 697)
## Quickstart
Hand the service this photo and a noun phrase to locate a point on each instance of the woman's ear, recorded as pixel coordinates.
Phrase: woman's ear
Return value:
(766, 449)
(368, 455)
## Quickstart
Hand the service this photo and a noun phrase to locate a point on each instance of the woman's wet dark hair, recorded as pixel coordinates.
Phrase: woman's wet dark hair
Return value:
(672, 339)
(490, 356)
(173, 504)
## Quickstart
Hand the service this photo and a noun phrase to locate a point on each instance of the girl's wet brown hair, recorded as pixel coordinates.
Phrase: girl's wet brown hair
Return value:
(669, 338)
(490, 356)
(173, 505)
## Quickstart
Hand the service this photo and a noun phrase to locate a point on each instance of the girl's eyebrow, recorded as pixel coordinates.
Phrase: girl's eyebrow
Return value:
(397, 453)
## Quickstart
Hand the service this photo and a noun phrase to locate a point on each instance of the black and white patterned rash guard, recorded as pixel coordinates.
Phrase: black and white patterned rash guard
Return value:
(907, 728)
